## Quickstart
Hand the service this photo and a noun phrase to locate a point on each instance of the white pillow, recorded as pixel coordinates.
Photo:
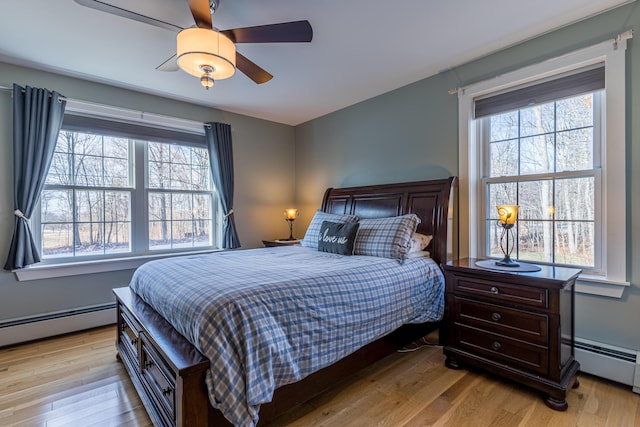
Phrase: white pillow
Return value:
(418, 254)
(419, 242)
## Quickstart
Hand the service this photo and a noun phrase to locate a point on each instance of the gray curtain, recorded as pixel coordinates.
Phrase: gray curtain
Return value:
(218, 136)
(37, 117)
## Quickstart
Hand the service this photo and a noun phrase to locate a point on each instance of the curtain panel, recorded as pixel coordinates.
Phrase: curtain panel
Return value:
(218, 136)
(37, 117)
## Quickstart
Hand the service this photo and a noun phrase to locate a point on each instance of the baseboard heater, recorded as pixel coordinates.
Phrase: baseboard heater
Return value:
(614, 363)
(51, 324)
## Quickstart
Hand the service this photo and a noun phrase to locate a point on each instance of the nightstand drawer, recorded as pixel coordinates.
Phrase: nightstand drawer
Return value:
(522, 325)
(499, 348)
(515, 295)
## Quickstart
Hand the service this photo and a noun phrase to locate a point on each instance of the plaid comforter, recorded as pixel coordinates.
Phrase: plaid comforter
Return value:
(269, 317)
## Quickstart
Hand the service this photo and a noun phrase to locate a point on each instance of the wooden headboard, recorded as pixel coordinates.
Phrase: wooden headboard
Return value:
(432, 201)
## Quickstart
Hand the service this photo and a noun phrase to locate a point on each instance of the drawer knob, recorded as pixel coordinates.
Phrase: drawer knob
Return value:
(495, 290)
(134, 341)
(148, 363)
(496, 345)
(167, 391)
(496, 317)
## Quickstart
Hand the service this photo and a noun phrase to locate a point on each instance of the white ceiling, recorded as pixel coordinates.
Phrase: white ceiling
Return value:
(360, 48)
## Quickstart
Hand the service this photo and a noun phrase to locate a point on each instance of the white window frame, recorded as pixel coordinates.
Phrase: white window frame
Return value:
(62, 267)
(612, 281)
(595, 172)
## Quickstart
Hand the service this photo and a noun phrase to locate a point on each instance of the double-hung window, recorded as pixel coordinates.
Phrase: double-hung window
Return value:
(86, 203)
(550, 138)
(545, 158)
(124, 188)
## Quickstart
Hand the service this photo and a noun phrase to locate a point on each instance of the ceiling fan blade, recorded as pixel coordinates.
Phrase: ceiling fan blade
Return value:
(201, 12)
(286, 32)
(252, 70)
(170, 64)
(114, 10)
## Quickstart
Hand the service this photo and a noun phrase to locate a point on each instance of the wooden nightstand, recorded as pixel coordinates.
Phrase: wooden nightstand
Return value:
(518, 325)
(271, 243)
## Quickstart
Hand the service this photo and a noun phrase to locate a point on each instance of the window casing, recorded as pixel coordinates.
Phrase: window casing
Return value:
(608, 275)
(113, 192)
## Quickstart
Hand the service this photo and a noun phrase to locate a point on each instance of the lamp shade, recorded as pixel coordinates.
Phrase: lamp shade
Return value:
(508, 214)
(198, 48)
(291, 213)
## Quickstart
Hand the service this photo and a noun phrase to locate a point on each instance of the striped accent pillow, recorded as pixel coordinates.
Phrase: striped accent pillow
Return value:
(312, 235)
(386, 237)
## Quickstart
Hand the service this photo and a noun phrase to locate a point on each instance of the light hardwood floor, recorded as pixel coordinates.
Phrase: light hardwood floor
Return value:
(75, 380)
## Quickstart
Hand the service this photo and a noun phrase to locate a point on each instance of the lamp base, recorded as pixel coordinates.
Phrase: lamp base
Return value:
(290, 221)
(507, 262)
(287, 239)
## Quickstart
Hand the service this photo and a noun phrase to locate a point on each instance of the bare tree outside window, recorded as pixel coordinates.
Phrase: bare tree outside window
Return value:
(86, 206)
(542, 159)
(86, 202)
(180, 200)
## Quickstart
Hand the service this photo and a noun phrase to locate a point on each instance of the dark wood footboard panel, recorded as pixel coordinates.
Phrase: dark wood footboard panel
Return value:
(169, 373)
(166, 370)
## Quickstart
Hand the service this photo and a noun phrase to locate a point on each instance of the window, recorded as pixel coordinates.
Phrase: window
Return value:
(561, 160)
(179, 198)
(122, 188)
(542, 159)
(86, 203)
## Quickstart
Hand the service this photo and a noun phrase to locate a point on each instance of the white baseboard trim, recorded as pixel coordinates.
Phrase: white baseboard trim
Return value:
(29, 329)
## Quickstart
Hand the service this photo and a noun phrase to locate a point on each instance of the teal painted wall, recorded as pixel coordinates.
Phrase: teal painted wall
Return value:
(407, 134)
(263, 155)
(412, 133)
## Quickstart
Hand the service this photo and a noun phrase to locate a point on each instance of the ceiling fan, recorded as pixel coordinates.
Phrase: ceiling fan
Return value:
(209, 53)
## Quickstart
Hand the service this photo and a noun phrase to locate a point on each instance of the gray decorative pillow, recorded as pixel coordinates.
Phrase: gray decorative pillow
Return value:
(386, 237)
(337, 237)
(313, 231)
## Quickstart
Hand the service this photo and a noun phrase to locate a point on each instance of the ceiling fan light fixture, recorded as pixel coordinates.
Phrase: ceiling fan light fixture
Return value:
(206, 80)
(198, 48)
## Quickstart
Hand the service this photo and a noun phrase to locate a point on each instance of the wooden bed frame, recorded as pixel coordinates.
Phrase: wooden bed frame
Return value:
(168, 372)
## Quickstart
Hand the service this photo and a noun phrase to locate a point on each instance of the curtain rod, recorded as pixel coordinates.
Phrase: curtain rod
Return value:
(10, 89)
(626, 35)
(80, 107)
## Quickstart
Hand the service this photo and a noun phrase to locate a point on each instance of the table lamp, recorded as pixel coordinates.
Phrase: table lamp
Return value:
(508, 215)
(290, 215)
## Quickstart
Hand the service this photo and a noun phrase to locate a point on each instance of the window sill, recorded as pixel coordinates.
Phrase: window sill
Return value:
(596, 285)
(48, 271)
(586, 284)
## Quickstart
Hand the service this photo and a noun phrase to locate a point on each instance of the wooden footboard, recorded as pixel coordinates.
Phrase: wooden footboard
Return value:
(169, 373)
(166, 370)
